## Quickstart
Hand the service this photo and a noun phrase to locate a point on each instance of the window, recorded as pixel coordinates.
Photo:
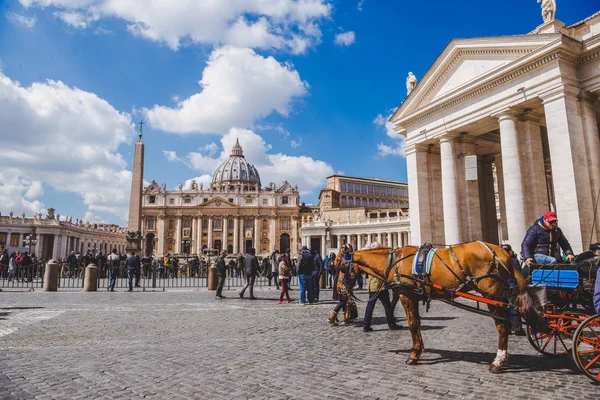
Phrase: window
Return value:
(204, 224)
(205, 200)
(390, 204)
(218, 223)
(351, 201)
(171, 201)
(230, 224)
(265, 225)
(230, 200)
(344, 200)
(152, 199)
(150, 224)
(187, 223)
(187, 200)
(396, 204)
(2, 239)
(265, 201)
(377, 203)
(248, 223)
(14, 240)
(357, 188)
(363, 188)
(285, 224)
(364, 202)
(284, 200)
(171, 225)
(248, 200)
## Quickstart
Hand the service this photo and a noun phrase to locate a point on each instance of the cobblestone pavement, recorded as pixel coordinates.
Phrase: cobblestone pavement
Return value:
(186, 344)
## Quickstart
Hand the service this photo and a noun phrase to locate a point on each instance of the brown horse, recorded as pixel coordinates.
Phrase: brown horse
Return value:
(475, 266)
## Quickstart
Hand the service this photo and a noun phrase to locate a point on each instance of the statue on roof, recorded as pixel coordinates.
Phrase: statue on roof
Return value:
(411, 82)
(548, 9)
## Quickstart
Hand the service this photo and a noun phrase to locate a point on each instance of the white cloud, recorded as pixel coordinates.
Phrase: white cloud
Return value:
(238, 87)
(385, 150)
(75, 19)
(203, 180)
(360, 5)
(29, 22)
(309, 174)
(397, 149)
(380, 120)
(171, 155)
(66, 138)
(296, 143)
(17, 194)
(278, 24)
(345, 38)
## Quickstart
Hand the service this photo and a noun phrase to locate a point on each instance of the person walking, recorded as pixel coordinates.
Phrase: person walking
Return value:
(306, 266)
(317, 273)
(4, 257)
(377, 291)
(112, 262)
(12, 266)
(328, 263)
(132, 265)
(274, 260)
(285, 274)
(250, 269)
(343, 288)
(221, 274)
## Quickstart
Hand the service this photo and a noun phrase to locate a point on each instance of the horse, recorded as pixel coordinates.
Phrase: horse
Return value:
(475, 266)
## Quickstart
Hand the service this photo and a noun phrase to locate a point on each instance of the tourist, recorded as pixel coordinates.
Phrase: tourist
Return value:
(306, 266)
(343, 289)
(285, 275)
(317, 272)
(377, 291)
(4, 257)
(19, 272)
(329, 262)
(113, 269)
(542, 240)
(250, 269)
(12, 266)
(27, 266)
(167, 264)
(274, 264)
(133, 265)
(240, 266)
(221, 274)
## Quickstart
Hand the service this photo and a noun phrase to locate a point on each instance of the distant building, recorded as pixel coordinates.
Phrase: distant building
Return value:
(235, 213)
(357, 211)
(56, 238)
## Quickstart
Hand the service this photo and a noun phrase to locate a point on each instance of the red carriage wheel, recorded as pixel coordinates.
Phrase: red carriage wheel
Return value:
(558, 341)
(586, 348)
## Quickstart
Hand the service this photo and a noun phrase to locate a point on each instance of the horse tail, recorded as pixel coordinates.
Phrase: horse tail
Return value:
(527, 305)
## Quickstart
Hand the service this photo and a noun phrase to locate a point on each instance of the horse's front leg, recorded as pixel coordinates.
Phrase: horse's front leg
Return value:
(503, 327)
(411, 308)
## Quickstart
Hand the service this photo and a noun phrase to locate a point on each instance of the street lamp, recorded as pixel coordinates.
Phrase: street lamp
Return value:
(92, 249)
(29, 241)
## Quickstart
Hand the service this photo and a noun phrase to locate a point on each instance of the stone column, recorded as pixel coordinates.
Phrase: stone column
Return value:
(242, 238)
(452, 220)
(359, 244)
(570, 172)
(379, 237)
(63, 246)
(272, 234)
(178, 235)
(389, 240)
(323, 245)
(534, 172)
(236, 234)
(487, 201)
(294, 243)
(339, 241)
(210, 232)
(199, 234)
(161, 236)
(588, 105)
(256, 242)
(516, 215)
(501, 200)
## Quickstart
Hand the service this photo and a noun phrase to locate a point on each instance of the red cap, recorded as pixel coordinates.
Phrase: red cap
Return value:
(550, 216)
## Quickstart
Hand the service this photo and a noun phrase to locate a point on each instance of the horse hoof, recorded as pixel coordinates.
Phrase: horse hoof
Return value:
(495, 369)
(411, 361)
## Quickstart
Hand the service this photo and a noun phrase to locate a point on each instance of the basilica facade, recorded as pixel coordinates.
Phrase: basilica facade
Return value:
(235, 213)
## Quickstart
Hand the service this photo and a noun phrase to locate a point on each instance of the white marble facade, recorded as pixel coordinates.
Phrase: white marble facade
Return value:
(526, 107)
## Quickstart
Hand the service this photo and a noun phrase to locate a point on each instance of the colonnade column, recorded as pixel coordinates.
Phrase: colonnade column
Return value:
(323, 245)
(420, 201)
(516, 216)
(161, 236)
(452, 221)
(272, 236)
(389, 240)
(256, 242)
(199, 234)
(210, 232)
(178, 235)
(571, 175)
(588, 104)
(379, 237)
(236, 234)
(294, 243)
(359, 244)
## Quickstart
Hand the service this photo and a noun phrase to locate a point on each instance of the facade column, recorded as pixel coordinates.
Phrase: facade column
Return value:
(272, 234)
(389, 240)
(236, 234)
(571, 175)
(452, 220)
(359, 244)
(161, 236)
(503, 235)
(224, 227)
(210, 232)
(294, 243)
(256, 242)
(323, 246)
(339, 241)
(487, 200)
(199, 235)
(63, 247)
(379, 237)
(242, 237)
(516, 215)
(178, 236)
(536, 197)
(588, 105)
(419, 196)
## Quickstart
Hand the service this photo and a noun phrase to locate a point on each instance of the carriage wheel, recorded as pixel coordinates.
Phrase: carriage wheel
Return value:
(558, 341)
(586, 349)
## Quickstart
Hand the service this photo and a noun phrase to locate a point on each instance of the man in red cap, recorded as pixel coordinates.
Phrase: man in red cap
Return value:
(542, 240)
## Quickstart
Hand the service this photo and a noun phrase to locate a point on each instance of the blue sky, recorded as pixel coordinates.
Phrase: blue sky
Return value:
(304, 84)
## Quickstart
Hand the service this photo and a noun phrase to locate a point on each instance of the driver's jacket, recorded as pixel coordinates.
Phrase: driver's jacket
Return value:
(540, 240)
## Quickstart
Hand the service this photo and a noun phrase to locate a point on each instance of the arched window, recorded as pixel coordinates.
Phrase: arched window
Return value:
(396, 204)
(390, 204)
(230, 224)
(218, 223)
(344, 201)
(371, 203)
(377, 203)
(351, 201)
(364, 202)
(248, 223)
(171, 225)
(204, 224)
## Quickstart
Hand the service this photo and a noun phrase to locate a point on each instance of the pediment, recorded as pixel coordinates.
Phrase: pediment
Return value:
(466, 62)
(218, 202)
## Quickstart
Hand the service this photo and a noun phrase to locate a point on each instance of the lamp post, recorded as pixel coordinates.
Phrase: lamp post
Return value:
(30, 240)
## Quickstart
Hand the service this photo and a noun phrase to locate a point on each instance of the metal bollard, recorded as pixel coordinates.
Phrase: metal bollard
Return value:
(51, 276)
(212, 277)
(90, 283)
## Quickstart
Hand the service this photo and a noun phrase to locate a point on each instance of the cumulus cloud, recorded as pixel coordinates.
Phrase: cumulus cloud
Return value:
(360, 5)
(238, 87)
(68, 140)
(397, 149)
(309, 174)
(279, 24)
(28, 22)
(18, 194)
(296, 143)
(345, 38)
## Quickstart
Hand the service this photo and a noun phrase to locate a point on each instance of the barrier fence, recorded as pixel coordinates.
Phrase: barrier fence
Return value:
(31, 278)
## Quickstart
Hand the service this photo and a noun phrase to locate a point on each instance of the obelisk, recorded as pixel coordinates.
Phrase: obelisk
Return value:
(134, 224)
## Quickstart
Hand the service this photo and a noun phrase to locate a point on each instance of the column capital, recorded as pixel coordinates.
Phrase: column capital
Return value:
(510, 113)
(589, 97)
(559, 93)
(530, 116)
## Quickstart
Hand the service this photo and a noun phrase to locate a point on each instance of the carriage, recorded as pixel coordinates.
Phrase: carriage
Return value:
(569, 311)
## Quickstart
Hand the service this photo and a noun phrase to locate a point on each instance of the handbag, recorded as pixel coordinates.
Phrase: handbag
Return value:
(352, 310)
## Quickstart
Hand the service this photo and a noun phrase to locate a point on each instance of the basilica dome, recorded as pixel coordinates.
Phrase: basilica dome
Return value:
(236, 171)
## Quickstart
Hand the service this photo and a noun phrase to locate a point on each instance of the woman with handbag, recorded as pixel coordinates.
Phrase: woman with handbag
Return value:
(343, 289)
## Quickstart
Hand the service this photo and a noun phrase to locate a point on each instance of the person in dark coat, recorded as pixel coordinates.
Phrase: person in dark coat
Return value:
(306, 267)
(250, 269)
(133, 266)
(221, 274)
(542, 241)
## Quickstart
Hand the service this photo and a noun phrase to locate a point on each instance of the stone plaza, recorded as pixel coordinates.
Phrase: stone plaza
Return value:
(186, 345)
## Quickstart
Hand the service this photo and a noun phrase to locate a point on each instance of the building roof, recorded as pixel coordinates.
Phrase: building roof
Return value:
(236, 169)
(367, 180)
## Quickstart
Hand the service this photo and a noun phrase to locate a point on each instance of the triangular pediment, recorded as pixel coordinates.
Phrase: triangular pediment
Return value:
(466, 62)
(218, 202)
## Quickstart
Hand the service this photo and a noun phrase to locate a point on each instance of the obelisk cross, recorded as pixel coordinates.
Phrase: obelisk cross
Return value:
(141, 123)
